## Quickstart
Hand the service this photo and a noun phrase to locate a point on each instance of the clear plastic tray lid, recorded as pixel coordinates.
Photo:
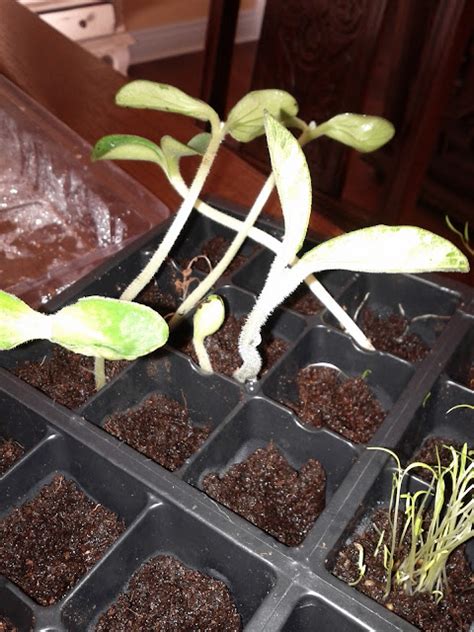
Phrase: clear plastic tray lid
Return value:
(60, 214)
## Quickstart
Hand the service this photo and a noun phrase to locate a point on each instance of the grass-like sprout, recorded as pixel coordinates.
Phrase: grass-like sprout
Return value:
(433, 523)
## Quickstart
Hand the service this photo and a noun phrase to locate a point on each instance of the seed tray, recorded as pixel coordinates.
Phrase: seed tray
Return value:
(274, 586)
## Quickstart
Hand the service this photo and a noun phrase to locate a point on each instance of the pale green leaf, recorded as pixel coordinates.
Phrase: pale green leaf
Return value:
(18, 322)
(293, 183)
(127, 147)
(359, 131)
(200, 142)
(246, 119)
(387, 249)
(109, 328)
(161, 96)
(208, 317)
(176, 149)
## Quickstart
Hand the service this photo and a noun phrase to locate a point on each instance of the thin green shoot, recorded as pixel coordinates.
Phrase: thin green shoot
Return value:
(360, 563)
(463, 235)
(433, 522)
(460, 406)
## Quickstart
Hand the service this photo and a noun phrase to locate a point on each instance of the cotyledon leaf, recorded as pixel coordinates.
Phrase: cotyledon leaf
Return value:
(387, 249)
(293, 182)
(360, 131)
(246, 119)
(109, 328)
(19, 323)
(161, 96)
(127, 147)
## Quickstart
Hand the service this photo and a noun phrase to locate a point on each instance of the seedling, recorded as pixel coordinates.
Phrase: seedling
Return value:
(245, 122)
(434, 522)
(93, 326)
(463, 235)
(376, 249)
(208, 319)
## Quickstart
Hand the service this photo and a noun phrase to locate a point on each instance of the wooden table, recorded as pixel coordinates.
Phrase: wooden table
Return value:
(79, 89)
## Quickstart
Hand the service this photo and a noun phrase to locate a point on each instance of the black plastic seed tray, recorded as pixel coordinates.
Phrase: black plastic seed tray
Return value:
(275, 587)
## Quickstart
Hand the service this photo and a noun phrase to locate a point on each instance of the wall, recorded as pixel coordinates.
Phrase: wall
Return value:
(142, 14)
(169, 28)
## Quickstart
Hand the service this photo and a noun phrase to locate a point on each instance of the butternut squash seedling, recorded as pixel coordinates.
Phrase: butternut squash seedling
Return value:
(93, 326)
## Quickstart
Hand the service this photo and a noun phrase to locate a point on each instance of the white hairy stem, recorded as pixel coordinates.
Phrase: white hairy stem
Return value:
(181, 217)
(272, 243)
(202, 289)
(202, 355)
(152, 267)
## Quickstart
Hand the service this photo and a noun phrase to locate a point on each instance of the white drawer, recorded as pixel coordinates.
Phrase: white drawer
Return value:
(83, 23)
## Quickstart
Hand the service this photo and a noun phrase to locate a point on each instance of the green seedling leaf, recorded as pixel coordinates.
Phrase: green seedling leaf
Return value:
(109, 328)
(127, 147)
(387, 249)
(208, 317)
(175, 148)
(200, 143)
(173, 151)
(19, 323)
(246, 119)
(293, 183)
(359, 131)
(163, 97)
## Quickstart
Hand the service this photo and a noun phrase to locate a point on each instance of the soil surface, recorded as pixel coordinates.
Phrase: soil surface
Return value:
(161, 429)
(391, 335)
(427, 454)
(10, 452)
(268, 492)
(454, 612)
(345, 405)
(166, 596)
(66, 377)
(470, 377)
(304, 301)
(50, 542)
(6, 625)
(214, 250)
(223, 348)
(158, 299)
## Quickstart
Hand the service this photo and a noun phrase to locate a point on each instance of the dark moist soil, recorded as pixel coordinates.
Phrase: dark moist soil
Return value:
(390, 334)
(50, 542)
(6, 625)
(161, 429)
(427, 454)
(304, 302)
(223, 348)
(268, 492)
(158, 299)
(345, 405)
(166, 596)
(470, 377)
(454, 612)
(66, 377)
(214, 250)
(10, 452)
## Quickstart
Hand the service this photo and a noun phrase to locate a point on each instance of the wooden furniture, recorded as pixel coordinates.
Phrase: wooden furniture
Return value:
(79, 89)
(98, 26)
(408, 61)
(220, 35)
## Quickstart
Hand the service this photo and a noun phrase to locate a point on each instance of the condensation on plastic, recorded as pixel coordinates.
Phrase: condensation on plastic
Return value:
(60, 214)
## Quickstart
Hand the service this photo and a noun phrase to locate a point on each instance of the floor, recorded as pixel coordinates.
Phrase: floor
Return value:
(185, 73)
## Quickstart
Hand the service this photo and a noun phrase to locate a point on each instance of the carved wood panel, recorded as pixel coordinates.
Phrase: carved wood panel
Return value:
(450, 182)
(320, 51)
